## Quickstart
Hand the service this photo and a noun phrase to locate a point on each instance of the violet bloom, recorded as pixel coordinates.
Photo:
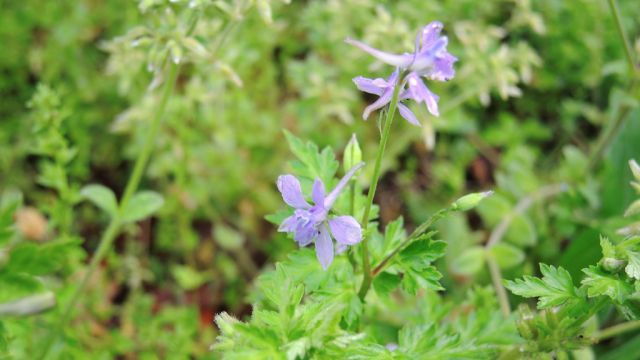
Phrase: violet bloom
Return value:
(311, 222)
(430, 60)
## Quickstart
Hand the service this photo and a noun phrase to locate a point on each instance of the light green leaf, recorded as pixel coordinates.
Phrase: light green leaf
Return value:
(633, 267)
(102, 197)
(386, 282)
(469, 262)
(507, 255)
(142, 205)
(599, 283)
(554, 289)
(189, 278)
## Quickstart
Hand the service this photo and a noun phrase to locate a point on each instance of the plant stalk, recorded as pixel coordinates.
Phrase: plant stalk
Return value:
(114, 227)
(366, 282)
(617, 330)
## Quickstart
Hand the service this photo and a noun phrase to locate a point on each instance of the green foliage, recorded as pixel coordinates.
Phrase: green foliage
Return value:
(555, 288)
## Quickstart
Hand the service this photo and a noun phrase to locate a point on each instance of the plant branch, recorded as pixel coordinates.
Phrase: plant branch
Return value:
(617, 330)
(498, 233)
(613, 5)
(366, 282)
(113, 229)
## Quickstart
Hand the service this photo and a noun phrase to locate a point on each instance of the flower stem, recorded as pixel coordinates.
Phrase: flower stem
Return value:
(414, 235)
(617, 330)
(610, 132)
(114, 227)
(613, 5)
(366, 282)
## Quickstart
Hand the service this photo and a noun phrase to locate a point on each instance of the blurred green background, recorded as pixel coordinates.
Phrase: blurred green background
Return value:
(536, 83)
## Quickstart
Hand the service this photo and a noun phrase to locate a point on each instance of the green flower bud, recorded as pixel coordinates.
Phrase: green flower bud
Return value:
(352, 154)
(470, 201)
(612, 264)
(635, 169)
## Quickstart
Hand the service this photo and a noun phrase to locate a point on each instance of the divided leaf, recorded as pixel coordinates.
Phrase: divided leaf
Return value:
(553, 289)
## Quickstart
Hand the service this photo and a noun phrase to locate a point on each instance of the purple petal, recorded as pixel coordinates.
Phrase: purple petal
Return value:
(402, 60)
(346, 230)
(381, 102)
(305, 235)
(420, 93)
(406, 113)
(317, 193)
(430, 33)
(324, 248)
(288, 224)
(340, 248)
(333, 195)
(443, 67)
(424, 60)
(291, 192)
(368, 85)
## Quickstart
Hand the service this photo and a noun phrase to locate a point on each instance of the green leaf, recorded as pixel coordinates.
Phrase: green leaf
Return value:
(15, 286)
(507, 255)
(227, 237)
(101, 197)
(385, 283)
(35, 259)
(553, 289)
(312, 163)
(599, 283)
(427, 278)
(189, 278)
(469, 262)
(142, 205)
(422, 252)
(521, 231)
(633, 267)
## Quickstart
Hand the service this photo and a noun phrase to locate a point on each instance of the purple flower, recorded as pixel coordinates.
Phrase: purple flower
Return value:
(311, 222)
(430, 60)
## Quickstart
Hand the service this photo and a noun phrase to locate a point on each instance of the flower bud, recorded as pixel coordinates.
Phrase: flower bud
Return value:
(635, 169)
(352, 154)
(612, 264)
(470, 201)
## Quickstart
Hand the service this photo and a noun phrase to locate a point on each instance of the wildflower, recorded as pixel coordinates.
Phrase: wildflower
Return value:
(311, 222)
(430, 60)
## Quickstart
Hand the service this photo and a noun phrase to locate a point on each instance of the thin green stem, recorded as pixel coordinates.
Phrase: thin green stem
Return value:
(366, 282)
(613, 5)
(496, 279)
(617, 330)
(113, 229)
(414, 235)
(610, 132)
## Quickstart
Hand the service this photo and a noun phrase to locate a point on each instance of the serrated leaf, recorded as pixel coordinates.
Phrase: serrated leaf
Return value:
(385, 283)
(553, 289)
(599, 283)
(142, 205)
(312, 163)
(15, 286)
(427, 278)
(633, 209)
(102, 197)
(633, 266)
(422, 252)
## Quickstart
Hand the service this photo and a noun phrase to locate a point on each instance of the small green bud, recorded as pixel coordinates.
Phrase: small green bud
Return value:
(612, 264)
(352, 154)
(470, 201)
(635, 169)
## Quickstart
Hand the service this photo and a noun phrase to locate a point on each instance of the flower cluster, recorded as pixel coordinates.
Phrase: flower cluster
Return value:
(430, 60)
(311, 222)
